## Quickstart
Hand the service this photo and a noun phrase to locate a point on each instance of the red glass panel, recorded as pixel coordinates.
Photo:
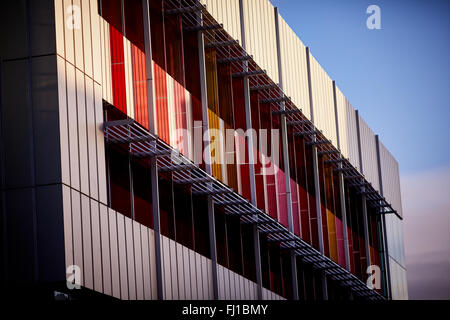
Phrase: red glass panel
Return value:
(118, 69)
(140, 86)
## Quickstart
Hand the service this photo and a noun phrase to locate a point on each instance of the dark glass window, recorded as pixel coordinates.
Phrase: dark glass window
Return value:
(157, 33)
(167, 218)
(221, 237)
(112, 12)
(265, 263)
(286, 274)
(275, 269)
(183, 216)
(309, 283)
(120, 196)
(201, 229)
(248, 252)
(134, 26)
(300, 280)
(174, 47)
(142, 191)
(234, 243)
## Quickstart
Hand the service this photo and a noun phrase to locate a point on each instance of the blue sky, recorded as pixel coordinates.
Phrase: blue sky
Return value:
(398, 77)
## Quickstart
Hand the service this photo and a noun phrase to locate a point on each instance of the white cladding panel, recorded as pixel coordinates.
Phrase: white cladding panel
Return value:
(260, 35)
(186, 274)
(79, 43)
(348, 134)
(294, 68)
(227, 13)
(394, 231)
(106, 61)
(369, 154)
(241, 288)
(115, 254)
(323, 100)
(80, 99)
(399, 284)
(269, 295)
(390, 178)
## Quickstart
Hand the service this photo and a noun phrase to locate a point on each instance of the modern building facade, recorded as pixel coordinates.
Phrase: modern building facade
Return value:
(184, 149)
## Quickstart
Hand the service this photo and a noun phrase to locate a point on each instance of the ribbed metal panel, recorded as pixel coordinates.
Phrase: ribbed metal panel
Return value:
(68, 33)
(79, 45)
(369, 154)
(233, 286)
(96, 42)
(227, 13)
(348, 135)
(399, 285)
(105, 250)
(293, 62)
(91, 128)
(128, 63)
(131, 258)
(115, 254)
(138, 265)
(180, 271)
(78, 36)
(186, 274)
(147, 261)
(390, 177)
(82, 133)
(394, 231)
(122, 255)
(269, 295)
(59, 27)
(87, 35)
(72, 126)
(260, 35)
(106, 61)
(87, 242)
(323, 100)
(63, 122)
(113, 250)
(100, 144)
(77, 233)
(67, 214)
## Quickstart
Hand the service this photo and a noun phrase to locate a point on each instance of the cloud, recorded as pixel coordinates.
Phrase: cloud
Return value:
(426, 204)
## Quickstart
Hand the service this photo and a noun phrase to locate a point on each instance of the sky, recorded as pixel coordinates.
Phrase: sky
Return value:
(398, 78)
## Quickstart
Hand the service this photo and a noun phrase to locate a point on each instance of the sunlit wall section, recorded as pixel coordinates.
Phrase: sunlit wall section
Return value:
(227, 13)
(394, 229)
(293, 63)
(260, 35)
(399, 285)
(323, 100)
(369, 154)
(390, 177)
(105, 61)
(79, 68)
(348, 134)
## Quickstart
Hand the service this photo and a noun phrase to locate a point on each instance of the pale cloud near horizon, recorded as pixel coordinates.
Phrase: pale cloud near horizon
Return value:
(426, 207)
